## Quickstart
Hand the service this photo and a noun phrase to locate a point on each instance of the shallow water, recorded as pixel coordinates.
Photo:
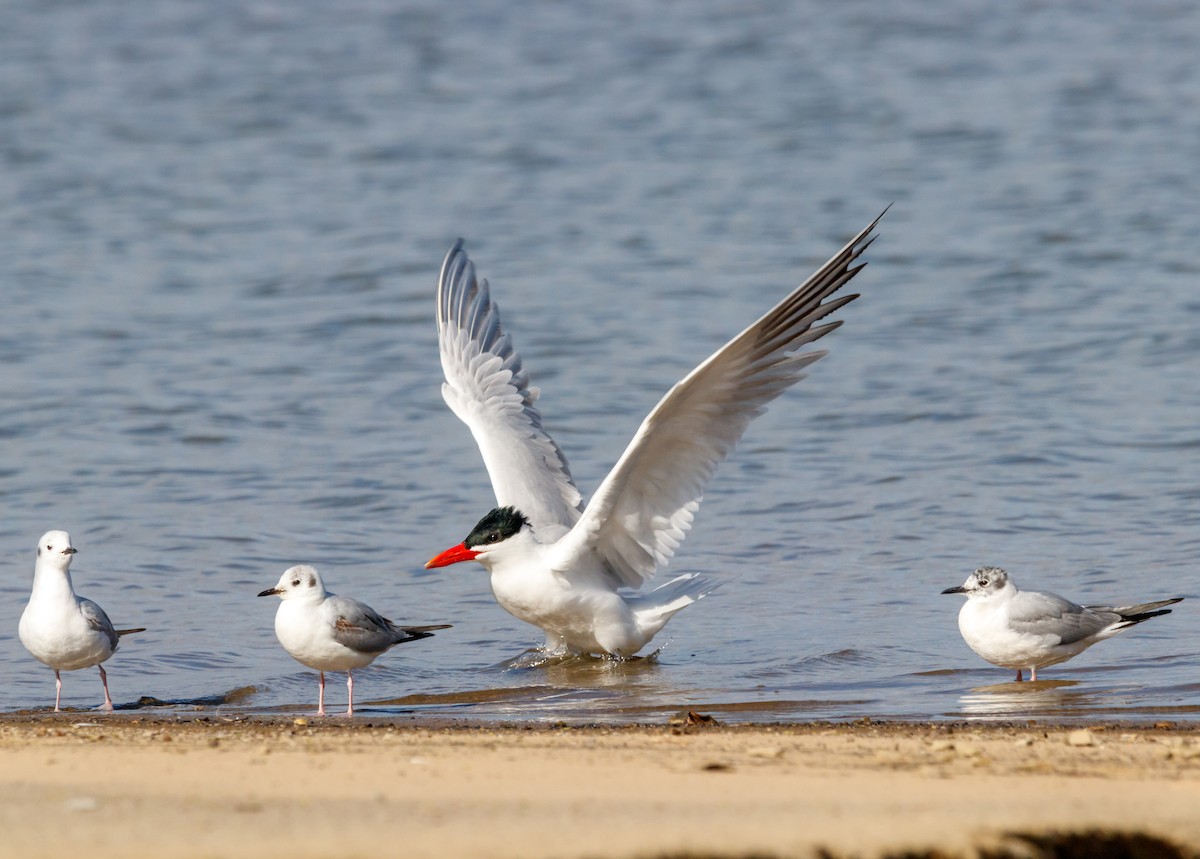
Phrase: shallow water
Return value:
(219, 234)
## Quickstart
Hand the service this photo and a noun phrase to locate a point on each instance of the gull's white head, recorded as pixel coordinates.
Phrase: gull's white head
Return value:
(55, 550)
(299, 582)
(499, 531)
(982, 583)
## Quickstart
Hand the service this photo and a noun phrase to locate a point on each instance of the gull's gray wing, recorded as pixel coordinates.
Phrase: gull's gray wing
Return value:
(361, 628)
(98, 620)
(1047, 614)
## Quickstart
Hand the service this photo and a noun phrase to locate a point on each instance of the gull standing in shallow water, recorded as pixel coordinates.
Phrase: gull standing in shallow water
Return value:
(559, 565)
(60, 629)
(332, 633)
(1018, 629)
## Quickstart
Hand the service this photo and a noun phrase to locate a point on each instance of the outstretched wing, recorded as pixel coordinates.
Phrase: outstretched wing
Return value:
(645, 506)
(489, 390)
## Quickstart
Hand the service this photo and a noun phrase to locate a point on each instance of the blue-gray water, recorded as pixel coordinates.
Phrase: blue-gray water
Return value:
(220, 228)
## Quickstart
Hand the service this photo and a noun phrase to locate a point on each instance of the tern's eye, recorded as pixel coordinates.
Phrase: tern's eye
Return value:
(494, 537)
(983, 583)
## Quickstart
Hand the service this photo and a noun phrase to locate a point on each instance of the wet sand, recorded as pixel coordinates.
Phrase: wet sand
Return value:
(85, 784)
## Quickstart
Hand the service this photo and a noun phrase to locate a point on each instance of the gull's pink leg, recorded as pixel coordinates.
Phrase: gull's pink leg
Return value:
(321, 693)
(1019, 677)
(57, 690)
(104, 680)
(350, 690)
(1033, 673)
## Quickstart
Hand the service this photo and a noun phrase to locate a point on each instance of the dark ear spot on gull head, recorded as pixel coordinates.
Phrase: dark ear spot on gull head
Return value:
(983, 580)
(989, 578)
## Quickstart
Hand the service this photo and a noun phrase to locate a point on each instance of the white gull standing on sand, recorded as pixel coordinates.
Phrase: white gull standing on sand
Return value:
(331, 633)
(65, 631)
(1018, 629)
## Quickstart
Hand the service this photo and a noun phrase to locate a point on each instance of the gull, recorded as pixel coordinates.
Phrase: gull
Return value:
(1018, 629)
(60, 629)
(331, 633)
(569, 569)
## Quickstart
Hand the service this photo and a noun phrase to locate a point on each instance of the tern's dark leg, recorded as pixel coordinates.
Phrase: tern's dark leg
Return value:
(1019, 677)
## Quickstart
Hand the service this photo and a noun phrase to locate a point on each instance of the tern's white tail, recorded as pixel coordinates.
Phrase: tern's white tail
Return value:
(655, 608)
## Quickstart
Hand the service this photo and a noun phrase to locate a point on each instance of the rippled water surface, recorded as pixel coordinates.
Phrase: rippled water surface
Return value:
(220, 227)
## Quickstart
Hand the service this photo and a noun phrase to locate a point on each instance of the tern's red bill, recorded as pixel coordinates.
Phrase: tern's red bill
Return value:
(453, 555)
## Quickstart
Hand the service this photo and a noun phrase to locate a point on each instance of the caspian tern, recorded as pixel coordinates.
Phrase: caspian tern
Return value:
(559, 565)
(1018, 629)
(60, 629)
(331, 633)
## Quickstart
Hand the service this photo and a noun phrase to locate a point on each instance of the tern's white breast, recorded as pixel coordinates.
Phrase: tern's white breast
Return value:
(581, 608)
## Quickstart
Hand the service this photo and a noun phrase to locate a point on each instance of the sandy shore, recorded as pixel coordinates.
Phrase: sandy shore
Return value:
(88, 785)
